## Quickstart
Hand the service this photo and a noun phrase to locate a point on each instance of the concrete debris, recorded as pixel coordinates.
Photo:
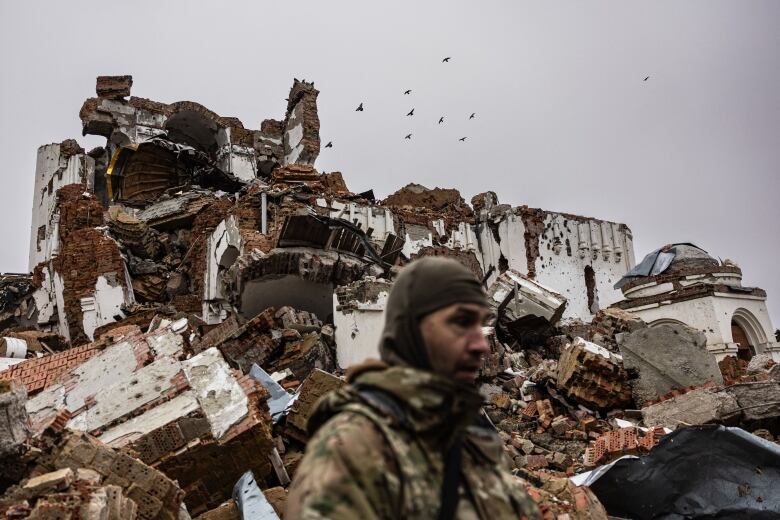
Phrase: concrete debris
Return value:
(196, 286)
(665, 358)
(699, 406)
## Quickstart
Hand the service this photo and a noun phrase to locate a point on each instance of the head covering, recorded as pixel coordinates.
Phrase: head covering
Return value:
(423, 286)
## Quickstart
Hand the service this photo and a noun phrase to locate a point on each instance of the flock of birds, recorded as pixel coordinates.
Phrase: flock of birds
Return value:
(411, 112)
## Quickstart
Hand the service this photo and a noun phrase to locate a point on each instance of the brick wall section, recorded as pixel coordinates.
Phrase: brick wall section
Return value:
(592, 379)
(194, 263)
(77, 210)
(157, 496)
(39, 373)
(305, 93)
(207, 469)
(315, 386)
(84, 256)
(467, 258)
(113, 87)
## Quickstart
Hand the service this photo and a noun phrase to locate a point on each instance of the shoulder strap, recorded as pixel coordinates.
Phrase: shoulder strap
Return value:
(384, 402)
(451, 480)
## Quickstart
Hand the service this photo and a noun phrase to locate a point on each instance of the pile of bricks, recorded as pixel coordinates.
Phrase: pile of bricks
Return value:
(77, 476)
(623, 441)
(593, 379)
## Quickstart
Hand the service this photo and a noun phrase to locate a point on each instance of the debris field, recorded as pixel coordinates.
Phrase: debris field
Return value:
(196, 286)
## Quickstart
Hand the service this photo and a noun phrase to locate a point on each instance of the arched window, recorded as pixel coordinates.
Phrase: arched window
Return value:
(739, 336)
(747, 332)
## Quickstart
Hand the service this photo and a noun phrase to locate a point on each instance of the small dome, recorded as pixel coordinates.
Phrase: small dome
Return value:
(687, 257)
(670, 261)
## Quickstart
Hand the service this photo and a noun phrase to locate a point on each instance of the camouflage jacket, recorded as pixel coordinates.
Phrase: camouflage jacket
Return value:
(366, 462)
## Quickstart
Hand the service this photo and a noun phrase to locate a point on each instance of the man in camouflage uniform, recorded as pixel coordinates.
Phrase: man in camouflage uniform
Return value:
(407, 438)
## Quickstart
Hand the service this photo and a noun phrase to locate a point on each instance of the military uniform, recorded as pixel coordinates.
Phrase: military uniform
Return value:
(378, 452)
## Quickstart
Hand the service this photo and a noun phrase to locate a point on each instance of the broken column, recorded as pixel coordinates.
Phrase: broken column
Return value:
(302, 125)
(58, 165)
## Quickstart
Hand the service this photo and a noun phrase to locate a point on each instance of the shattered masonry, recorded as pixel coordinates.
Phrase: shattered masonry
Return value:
(195, 286)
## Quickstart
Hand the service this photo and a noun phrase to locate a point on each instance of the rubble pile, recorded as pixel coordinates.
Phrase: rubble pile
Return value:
(196, 286)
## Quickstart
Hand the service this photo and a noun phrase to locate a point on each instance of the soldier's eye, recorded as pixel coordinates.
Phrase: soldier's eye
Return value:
(464, 319)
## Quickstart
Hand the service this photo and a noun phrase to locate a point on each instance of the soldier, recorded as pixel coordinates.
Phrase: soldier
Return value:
(407, 438)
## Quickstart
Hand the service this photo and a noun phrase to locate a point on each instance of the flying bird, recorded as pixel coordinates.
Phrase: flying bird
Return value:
(472, 115)
(441, 119)
(447, 59)
(408, 136)
(462, 139)
(407, 92)
(329, 145)
(359, 108)
(648, 77)
(411, 112)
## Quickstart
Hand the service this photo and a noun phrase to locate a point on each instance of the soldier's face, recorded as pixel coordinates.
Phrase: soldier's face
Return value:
(454, 340)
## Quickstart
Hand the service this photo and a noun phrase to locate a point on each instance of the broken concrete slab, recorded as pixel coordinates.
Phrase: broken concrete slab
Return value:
(514, 295)
(757, 400)
(13, 417)
(50, 482)
(699, 406)
(667, 357)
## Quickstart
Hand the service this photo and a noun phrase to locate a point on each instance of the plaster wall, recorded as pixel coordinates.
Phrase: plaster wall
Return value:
(52, 171)
(240, 161)
(359, 330)
(379, 220)
(293, 136)
(220, 396)
(45, 301)
(712, 315)
(103, 306)
(566, 247)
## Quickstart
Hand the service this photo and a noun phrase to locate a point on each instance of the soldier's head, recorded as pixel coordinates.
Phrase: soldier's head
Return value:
(434, 318)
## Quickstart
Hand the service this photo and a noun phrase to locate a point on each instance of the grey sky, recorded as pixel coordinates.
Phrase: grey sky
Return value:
(564, 119)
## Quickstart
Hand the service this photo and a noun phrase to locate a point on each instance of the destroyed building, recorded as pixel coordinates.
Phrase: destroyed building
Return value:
(195, 286)
(682, 284)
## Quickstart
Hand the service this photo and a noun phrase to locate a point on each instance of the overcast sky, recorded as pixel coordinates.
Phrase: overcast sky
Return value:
(564, 119)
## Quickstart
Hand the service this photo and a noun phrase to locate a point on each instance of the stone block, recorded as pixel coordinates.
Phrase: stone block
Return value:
(50, 482)
(665, 358)
(699, 406)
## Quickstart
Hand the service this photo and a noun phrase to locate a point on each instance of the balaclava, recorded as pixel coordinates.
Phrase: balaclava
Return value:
(424, 286)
